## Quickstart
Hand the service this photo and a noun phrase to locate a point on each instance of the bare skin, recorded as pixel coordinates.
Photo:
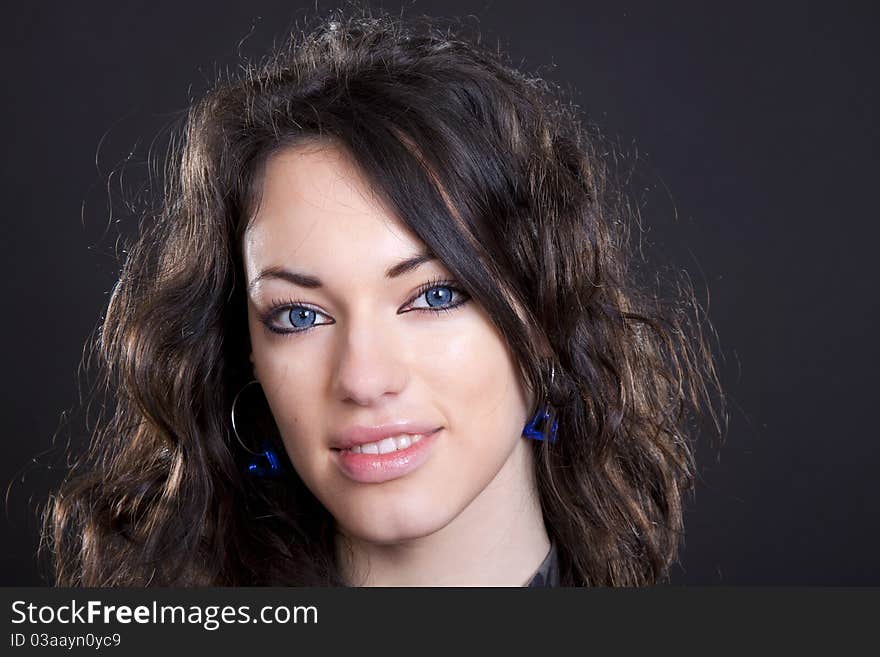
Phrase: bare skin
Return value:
(374, 352)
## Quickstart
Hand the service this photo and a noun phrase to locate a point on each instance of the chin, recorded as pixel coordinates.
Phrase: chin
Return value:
(395, 523)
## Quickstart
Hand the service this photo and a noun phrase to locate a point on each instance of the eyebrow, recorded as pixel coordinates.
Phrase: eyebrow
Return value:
(312, 282)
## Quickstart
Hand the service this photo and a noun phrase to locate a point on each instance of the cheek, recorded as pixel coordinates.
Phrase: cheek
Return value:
(300, 419)
(291, 381)
(486, 383)
(485, 403)
(468, 368)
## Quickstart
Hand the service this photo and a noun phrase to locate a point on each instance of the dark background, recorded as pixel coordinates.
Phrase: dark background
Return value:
(752, 131)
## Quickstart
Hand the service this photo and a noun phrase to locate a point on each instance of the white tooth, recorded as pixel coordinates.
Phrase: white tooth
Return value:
(387, 445)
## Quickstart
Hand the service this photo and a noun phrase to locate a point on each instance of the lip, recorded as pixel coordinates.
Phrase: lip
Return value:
(376, 468)
(358, 434)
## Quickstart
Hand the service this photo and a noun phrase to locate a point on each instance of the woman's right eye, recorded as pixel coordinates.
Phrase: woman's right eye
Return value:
(293, 319)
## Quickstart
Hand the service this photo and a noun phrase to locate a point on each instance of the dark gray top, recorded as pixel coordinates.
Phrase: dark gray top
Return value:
(548, 572)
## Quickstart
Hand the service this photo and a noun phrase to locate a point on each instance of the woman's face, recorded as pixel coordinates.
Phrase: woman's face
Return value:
(360, 348)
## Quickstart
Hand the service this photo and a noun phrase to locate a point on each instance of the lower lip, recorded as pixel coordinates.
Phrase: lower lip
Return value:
(376, 468)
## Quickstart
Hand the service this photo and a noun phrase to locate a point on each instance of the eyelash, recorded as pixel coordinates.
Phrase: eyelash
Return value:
(277, 305)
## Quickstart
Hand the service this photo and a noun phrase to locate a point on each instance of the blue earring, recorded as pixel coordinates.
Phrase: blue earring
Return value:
(535, 427)
(264, 463)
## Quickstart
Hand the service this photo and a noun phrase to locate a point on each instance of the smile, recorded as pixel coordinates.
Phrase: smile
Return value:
(386, 445)
(390, 458)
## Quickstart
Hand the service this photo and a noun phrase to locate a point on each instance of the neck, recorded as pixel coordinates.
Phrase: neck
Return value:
(499, 539)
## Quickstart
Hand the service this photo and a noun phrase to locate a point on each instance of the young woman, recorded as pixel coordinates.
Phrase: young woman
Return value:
(384, 333)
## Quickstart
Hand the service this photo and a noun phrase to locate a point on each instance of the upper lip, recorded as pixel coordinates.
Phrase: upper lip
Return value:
(359, 434)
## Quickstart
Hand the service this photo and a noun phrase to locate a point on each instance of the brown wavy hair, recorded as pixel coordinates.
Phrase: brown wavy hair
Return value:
(497, 174)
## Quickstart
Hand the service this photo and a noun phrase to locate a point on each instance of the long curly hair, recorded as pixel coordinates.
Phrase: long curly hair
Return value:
(497, 174)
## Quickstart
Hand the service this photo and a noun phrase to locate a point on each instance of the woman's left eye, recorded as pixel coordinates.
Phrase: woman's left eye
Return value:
(440, 297)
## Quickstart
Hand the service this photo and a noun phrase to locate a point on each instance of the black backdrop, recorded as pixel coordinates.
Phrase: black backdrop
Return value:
(754, 137)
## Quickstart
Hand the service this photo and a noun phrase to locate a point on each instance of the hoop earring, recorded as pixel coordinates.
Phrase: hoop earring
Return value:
(536, 426)
(264, 463)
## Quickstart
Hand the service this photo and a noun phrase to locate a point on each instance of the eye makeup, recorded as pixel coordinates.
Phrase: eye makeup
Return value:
(277, 306)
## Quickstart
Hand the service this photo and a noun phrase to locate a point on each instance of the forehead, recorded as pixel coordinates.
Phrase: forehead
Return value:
(318, 212)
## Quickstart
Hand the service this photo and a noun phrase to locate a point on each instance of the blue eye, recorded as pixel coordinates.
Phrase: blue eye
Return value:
(301, 314)
(299, 318)
(439, 295)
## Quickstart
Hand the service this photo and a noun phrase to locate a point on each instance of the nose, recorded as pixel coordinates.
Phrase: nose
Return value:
(370, 364)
